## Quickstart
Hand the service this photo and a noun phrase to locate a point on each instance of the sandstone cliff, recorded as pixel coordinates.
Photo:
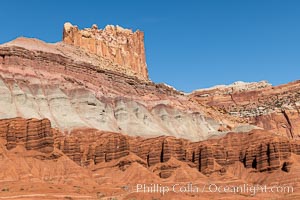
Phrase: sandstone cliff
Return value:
(32, 133)
(105, 158)
(271, 108)
(122, 46)
(74, 89)
(112, 126)
(260, 150)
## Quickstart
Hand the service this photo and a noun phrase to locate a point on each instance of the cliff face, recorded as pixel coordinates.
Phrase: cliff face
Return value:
(259, 150)
(105, 158)
(121, 46)
(113, 126)
(272, 108)
(32, 133)
(75, 89)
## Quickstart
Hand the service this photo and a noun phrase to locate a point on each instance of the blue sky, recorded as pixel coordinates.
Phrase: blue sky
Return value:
(189, 44)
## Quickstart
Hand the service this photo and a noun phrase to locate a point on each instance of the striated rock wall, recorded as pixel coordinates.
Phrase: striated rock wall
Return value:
(272, 108)
(104, 158)
(76, 89)
(122, 46)
(91, 147)
(34, 134)
(258, 150)
(40, 81)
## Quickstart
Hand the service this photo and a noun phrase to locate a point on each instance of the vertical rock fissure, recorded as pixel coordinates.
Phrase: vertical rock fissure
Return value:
(193, 156)
(254, 163)
(162, 152)
(268, 155)
(3, 59)
(289, 123)
(231, 97)
(148, 163)
(199, 168)
(245, 160)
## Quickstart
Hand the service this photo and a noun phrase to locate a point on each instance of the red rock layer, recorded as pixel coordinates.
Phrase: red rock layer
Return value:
(87, 89)
(259, 150)
(122, 46)
(273, 108)
(79, 73)
(93, 147)
(101, 153)
(32, 133)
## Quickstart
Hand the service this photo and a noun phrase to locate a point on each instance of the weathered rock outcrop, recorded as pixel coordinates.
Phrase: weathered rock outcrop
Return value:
(108, 154)
(272, 108)
(121, 46)
(74, 88)
(55, 81)
(32, 133)
(113, 126)
(91, 147)
(258, 150)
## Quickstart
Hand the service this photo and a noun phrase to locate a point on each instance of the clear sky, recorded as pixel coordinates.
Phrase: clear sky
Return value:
(189, 44)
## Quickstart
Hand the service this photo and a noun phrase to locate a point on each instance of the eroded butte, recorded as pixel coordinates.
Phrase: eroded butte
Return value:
(80, 119)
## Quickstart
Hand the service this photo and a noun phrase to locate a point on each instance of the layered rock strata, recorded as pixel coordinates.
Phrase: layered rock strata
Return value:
(121, 46)
(258, 150)
(32, 133)
(271, 108)
(48, 81)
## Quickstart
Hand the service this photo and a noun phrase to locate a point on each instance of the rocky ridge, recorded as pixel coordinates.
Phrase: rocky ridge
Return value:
(274, 108)
(42, 81)
(121, 46)
(112, 126)
(101, 155)
(260, 150)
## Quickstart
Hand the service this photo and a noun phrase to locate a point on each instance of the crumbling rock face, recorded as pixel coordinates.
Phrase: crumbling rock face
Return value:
(39, 80)
(32, 133)
(113, 125)
(272, 108)
(258, 150)
(284, 122)
(247, 103)
(102, 158)
(121, 46)
(93, 148)
(75, 88)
